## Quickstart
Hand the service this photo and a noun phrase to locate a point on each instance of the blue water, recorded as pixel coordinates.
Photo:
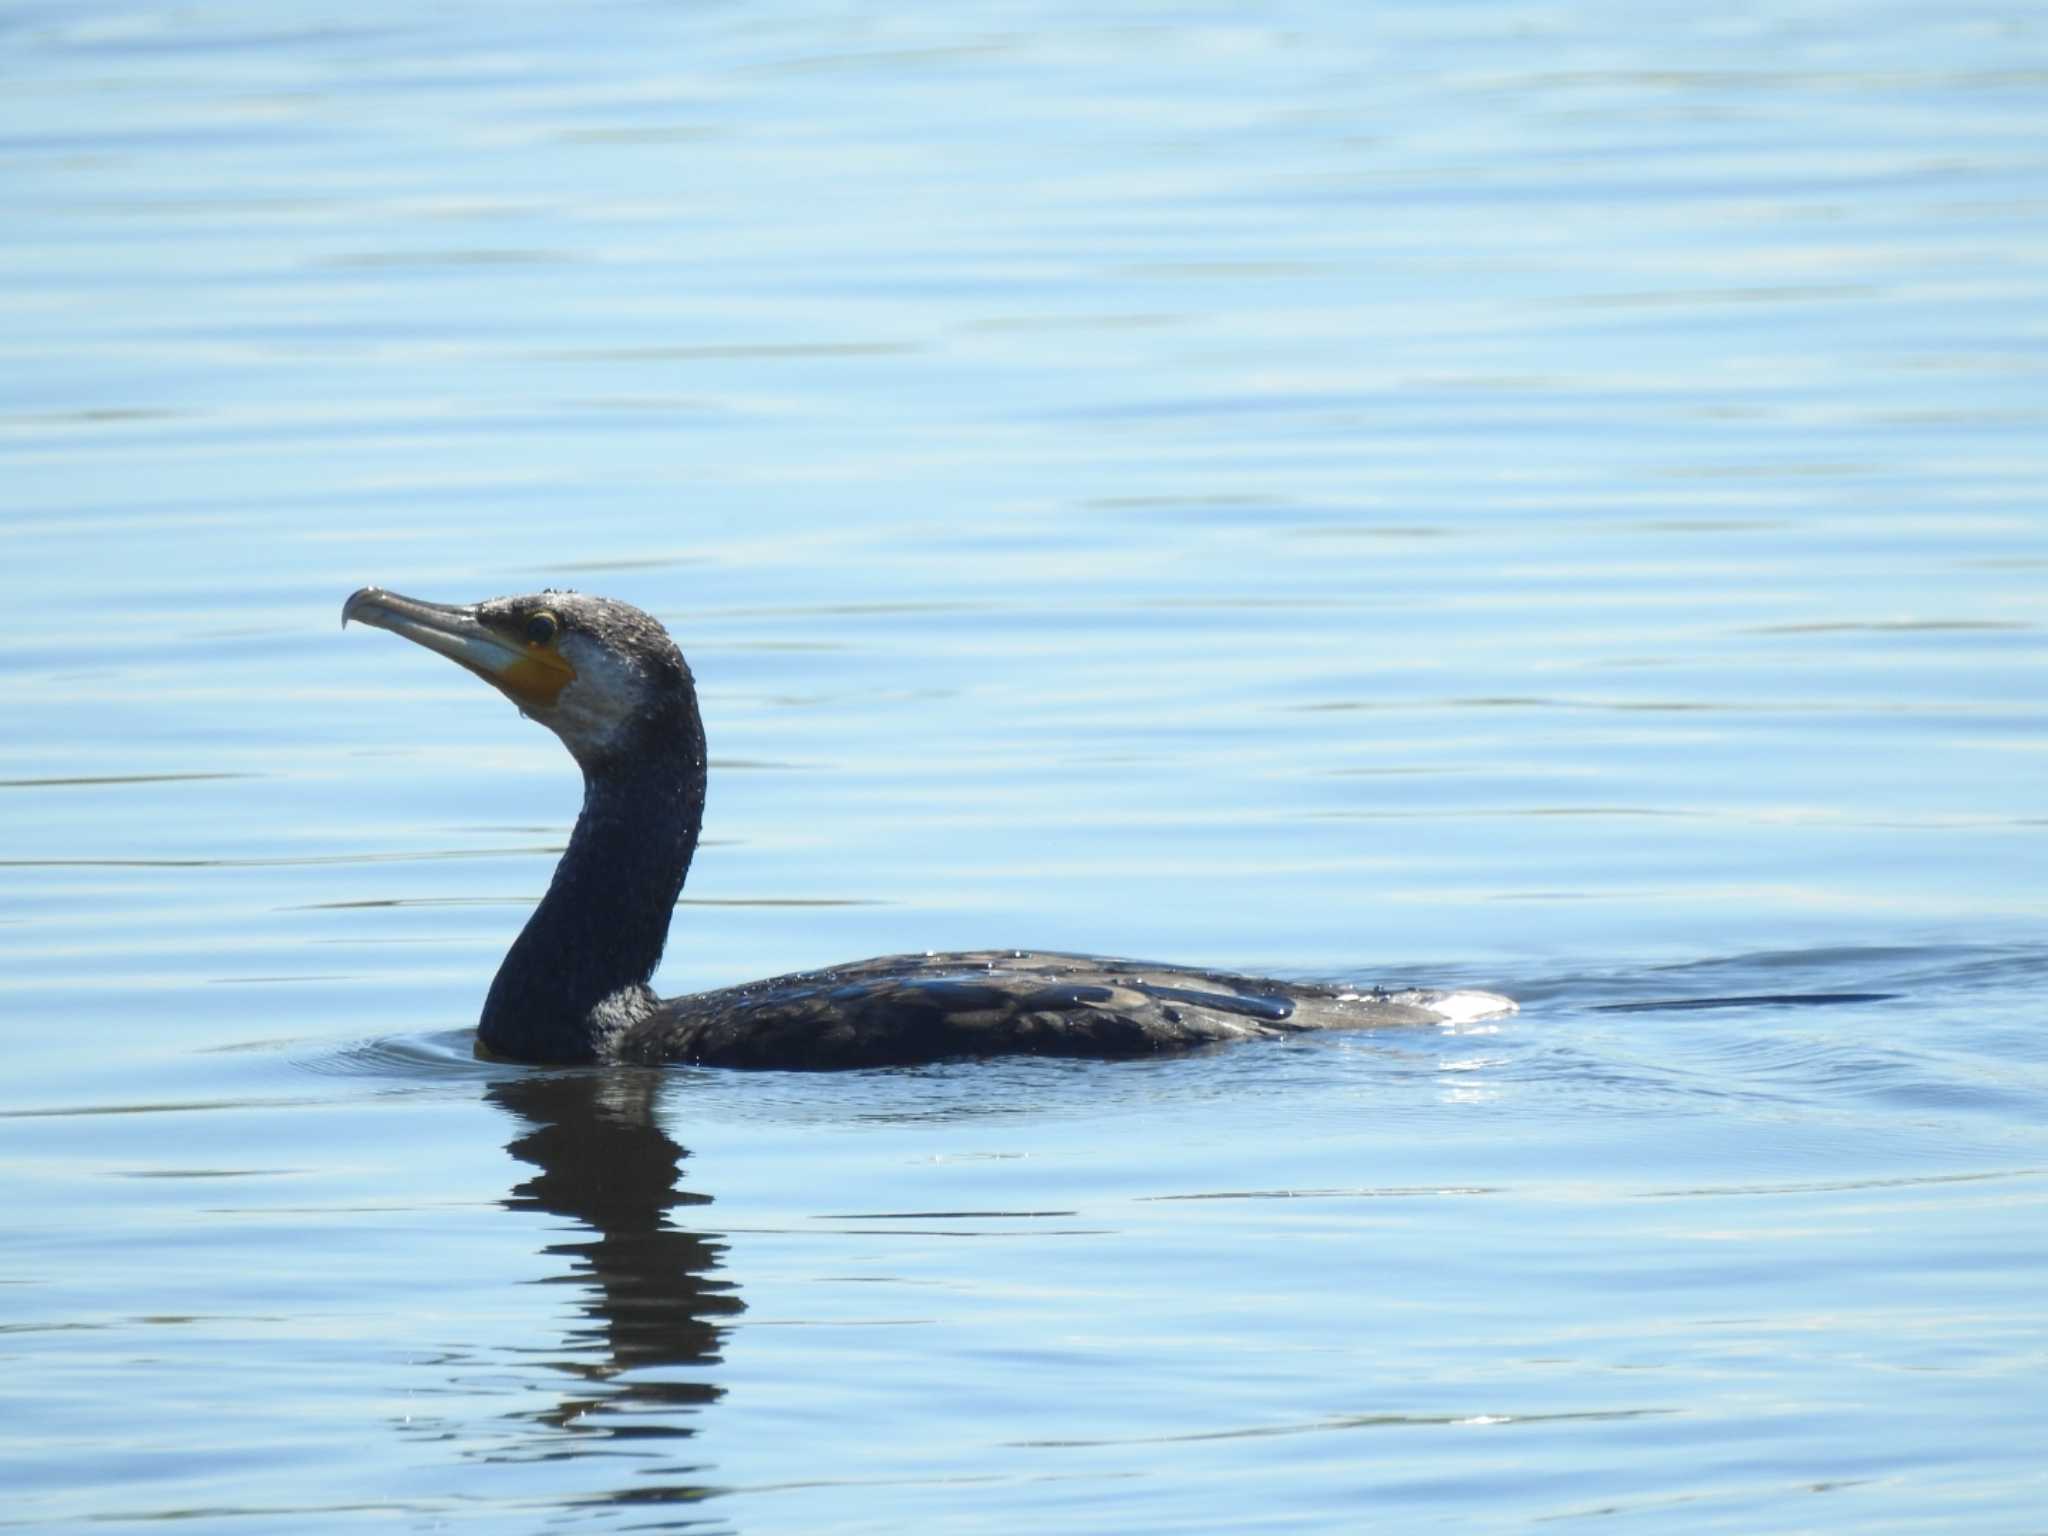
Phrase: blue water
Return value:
(1538, 498)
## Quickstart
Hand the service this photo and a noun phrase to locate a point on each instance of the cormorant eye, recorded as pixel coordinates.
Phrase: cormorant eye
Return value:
(542, 628)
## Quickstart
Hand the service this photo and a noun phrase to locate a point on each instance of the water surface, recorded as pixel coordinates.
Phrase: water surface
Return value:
(1546, 499)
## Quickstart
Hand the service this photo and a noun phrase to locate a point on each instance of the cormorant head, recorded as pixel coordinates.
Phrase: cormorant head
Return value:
(593, 671)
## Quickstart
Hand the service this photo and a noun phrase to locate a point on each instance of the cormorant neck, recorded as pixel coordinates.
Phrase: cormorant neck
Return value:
(577, 974)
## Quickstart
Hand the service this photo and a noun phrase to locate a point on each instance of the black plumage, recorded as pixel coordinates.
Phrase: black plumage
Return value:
(608, 680)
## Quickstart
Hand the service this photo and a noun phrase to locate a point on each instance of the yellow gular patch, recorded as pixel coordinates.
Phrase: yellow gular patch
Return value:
(536, 679)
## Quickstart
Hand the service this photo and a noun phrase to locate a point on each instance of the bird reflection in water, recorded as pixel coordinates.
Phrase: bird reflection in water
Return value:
(655, 1311)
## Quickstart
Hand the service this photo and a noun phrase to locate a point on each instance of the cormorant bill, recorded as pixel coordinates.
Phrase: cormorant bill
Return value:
(607, 679)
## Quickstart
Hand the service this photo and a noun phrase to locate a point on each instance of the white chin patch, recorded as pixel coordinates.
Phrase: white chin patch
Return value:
(591, 714)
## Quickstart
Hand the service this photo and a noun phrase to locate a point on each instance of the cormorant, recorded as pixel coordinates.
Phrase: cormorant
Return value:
(607, 680)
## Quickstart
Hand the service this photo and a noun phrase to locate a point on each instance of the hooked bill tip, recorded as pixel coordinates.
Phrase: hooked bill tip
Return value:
(357, 599)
